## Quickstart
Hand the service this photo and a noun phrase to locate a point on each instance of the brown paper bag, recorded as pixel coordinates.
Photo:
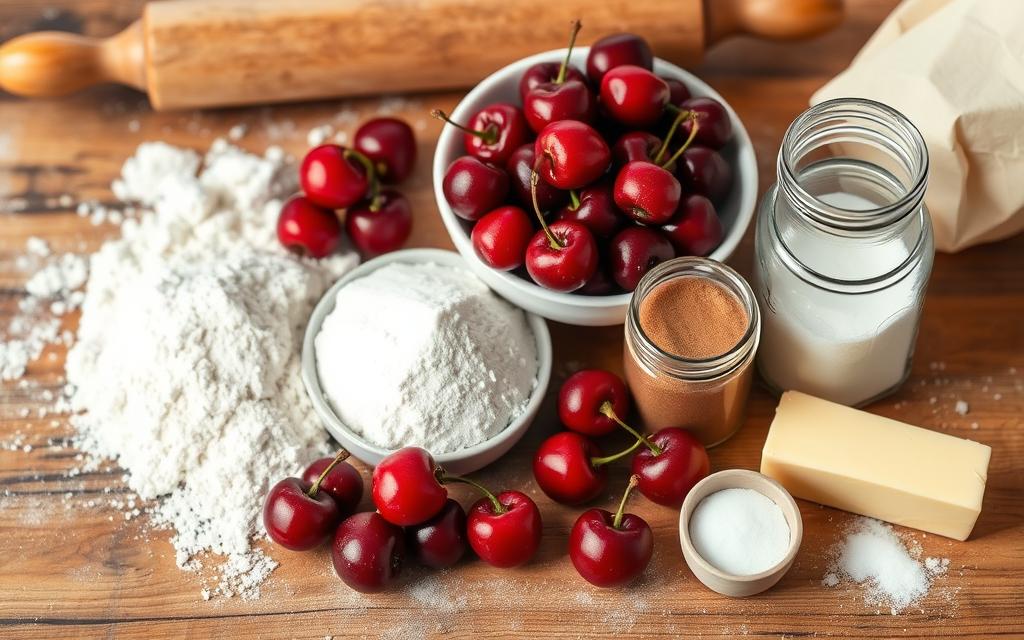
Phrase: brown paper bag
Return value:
(956, 69)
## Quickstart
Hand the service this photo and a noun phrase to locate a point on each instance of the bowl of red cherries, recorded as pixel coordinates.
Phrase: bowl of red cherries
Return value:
(564, 177)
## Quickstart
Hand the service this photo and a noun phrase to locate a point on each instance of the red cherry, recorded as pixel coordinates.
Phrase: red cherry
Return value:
(634, 251)
(343, 483)
(600, 284)
(714, 128)
(636, 146)
(646, 192)
(381, 225)
(668, 467)
(588, 399)
(677, 91)
(571, 154)
(335, 177)
(695, 230)
(390, 144)
(705, 172)
(544, 72)
(562, 256)
(308, 229)
(562, 98)
(440, 541)
(616, 50)
(609, 550)
(596, 210)
(297, 515)
(565, 468)
(406, 488)
(473, 187)
(504, 530)
(501, 236)
(520, 168)
(634, 96)
(493, 133)
(367, 552)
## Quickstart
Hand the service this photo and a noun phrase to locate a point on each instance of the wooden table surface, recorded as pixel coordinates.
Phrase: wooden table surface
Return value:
(71, 570)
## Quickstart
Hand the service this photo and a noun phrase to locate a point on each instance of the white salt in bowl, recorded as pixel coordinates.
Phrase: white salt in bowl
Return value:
(503, 86)
(712, 577)
(457, 462)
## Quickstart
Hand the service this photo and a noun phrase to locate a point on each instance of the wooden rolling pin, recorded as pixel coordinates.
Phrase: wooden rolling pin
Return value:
(205, 53)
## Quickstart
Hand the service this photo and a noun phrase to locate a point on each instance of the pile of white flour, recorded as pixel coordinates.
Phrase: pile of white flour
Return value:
(186, 366)
(425, 355)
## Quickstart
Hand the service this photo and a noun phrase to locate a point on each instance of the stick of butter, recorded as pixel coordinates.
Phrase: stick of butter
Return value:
(874, 466)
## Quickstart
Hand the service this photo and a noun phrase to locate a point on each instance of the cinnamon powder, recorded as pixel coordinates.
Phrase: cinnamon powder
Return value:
(693, 318)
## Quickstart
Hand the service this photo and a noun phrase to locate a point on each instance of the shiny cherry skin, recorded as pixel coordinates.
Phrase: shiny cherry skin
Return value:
(600, 284)
(695, 230)
(597, 211)
(543, 73)
(636, 146)
(678, 93)
(704, 171)
(550, 102)
(368, 552)
(616, 50)
(473, 187)
(634, 251)
(343, 483)
(610, 550)
(390, 144)
(308, 229)
(565, 471)
(508, 537)
(406, 489)
(714, 128)
(666, 476)
(494, 132)
(646, 192)
(634, 96)
(296, 520)
(440, 541)
(501, 236)
(380, 226)
(571, 154)
(520, 168)
(582, 398)
(333, 177)
(567, 264)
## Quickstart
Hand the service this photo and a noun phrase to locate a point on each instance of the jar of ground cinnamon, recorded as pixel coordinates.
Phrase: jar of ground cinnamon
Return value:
(691, 336)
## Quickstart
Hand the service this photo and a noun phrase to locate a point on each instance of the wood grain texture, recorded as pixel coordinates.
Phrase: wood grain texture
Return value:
(75, 571)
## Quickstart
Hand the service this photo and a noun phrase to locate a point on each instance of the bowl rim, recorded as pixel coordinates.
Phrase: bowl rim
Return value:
(726, 477)
(747, 190)
(325, 305)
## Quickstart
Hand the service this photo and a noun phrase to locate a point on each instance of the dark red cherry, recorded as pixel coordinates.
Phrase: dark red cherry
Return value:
(695, 229)
(390, 144)
(705, 172)
(634, 96)
(544, 72)
(714, 128)
(440, 541)
(519, 168)
(616, 50)
(596, 209)
(368, 552)
(380, 225)
(473, 187)
(634, 251)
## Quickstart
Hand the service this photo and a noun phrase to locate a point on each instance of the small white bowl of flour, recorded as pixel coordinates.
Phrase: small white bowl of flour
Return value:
(411, 348)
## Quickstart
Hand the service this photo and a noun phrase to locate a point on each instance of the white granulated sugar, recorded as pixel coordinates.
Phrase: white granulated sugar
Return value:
(873, 555)
(740, 531)
(186, 366)
(444, 363)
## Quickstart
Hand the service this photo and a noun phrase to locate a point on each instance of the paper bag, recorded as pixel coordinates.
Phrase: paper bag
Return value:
(956, 69)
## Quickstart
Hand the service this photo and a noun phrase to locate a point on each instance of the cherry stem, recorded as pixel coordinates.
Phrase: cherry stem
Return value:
(689, 140)
(488, 135)
(498, 507)
(564, 69)
(341, 457)
(609, 411)
(668, 136)
(574, 199)
(375, 198)
(534, 179)
(603, 460)
(617, 521)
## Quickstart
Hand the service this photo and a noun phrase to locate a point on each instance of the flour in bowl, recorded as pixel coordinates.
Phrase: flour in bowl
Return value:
(425, 355)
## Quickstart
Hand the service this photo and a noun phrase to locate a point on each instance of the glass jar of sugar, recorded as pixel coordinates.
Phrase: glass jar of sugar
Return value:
(692, 331)
(843, 252)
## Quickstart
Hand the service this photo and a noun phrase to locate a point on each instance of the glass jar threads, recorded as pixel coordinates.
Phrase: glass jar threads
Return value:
(843, 253)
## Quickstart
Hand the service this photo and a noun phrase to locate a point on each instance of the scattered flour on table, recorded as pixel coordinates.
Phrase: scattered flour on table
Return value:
(873, 555)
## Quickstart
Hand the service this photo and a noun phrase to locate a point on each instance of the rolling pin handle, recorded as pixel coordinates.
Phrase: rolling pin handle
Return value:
(772, 19)
(55, 63)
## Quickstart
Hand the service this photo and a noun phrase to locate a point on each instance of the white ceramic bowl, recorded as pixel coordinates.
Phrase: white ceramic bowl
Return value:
(503, 86)
(458, 462)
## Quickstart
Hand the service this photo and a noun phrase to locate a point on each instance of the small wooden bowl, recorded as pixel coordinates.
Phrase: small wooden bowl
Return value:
(714, 578)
